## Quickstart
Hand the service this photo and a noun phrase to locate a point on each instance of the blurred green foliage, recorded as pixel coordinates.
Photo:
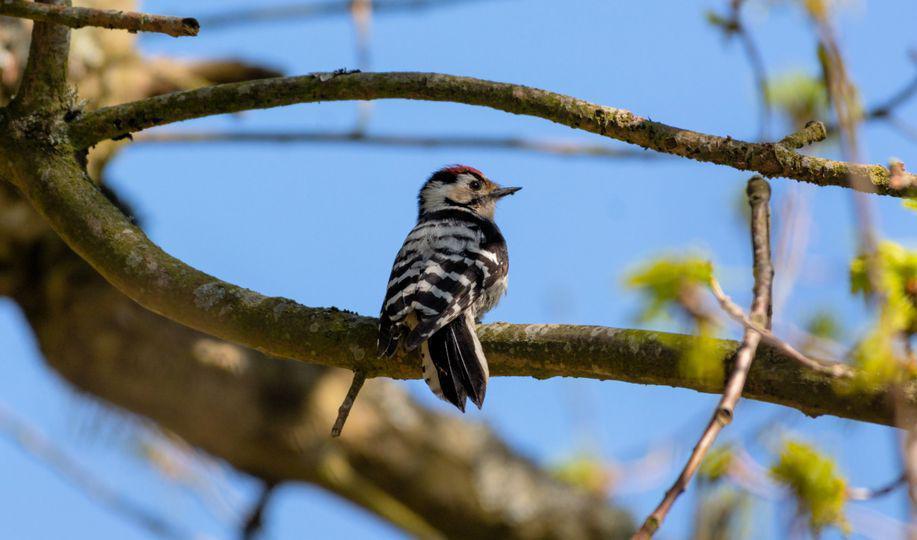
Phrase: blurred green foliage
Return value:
(704, 358)
(664, 282)
(672, 283)
(897, 269)
(584, 471)
(824, 325)
(716, 463)
(800, 97)
(813, 479)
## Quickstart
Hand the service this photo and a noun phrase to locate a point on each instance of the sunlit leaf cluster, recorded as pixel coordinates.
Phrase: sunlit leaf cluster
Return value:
(814, 481)
(666, 281)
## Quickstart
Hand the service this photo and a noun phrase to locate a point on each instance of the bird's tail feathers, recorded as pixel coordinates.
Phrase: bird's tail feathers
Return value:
(454, 365)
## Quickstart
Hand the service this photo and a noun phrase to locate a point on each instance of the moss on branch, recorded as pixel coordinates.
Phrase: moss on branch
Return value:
(768, 159)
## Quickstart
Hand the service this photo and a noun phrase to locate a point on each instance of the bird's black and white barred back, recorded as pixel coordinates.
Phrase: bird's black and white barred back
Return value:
(451, 270)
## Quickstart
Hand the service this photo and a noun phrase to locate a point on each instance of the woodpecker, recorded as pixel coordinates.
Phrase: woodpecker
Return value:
(451, 270)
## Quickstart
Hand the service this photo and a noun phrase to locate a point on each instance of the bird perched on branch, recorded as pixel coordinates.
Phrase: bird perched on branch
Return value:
(450, 271)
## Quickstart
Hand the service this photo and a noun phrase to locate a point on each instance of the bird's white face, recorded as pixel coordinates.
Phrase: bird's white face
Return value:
(464, 187)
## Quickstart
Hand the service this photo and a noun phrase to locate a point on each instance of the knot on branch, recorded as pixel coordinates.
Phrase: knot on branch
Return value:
(38, 127)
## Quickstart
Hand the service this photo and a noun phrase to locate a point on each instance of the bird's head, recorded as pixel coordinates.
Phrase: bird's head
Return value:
(462, 186)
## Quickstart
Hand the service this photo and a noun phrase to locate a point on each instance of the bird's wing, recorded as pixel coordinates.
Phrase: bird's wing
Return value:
(438, 274)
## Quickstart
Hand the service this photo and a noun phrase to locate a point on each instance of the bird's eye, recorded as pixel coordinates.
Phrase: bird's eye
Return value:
(475, 185)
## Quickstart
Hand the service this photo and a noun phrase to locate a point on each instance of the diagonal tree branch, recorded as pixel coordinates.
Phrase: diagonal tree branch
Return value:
(765, 158)
(759, 194)
(78, 17)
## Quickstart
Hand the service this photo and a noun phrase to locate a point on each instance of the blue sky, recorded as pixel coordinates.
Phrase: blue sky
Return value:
(321, 224)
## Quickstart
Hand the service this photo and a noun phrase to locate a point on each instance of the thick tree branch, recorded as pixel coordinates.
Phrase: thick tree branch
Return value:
(78, 17)
(765, 158)
(759, 194)
(56, 186)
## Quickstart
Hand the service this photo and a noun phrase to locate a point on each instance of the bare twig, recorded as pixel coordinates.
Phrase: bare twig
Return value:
(78, 17)
(886, 109)
(561, 148)
(833, 369)
(865, 494)
(359, 377)
(758, 197)
(314, 10)
(735, 26)
(254, 523)
(32, 441)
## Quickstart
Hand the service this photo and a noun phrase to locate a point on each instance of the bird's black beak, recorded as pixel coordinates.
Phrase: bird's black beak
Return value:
(503, 192)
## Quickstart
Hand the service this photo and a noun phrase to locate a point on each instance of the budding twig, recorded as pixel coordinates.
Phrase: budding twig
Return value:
(758, 197)
(835, 369)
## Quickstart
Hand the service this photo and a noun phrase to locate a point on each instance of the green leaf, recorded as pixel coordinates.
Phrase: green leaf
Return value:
(813, 479)
(910, 204)
(665, 280)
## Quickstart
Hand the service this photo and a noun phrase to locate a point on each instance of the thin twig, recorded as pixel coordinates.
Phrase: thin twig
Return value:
(834, 369)
(313, 10)
(736, 26)
(359, 377)
(254, 523)
(562, 148)
(865, 494)
(758, 198)
(32, 441)
(78, 17)
(886, 109)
